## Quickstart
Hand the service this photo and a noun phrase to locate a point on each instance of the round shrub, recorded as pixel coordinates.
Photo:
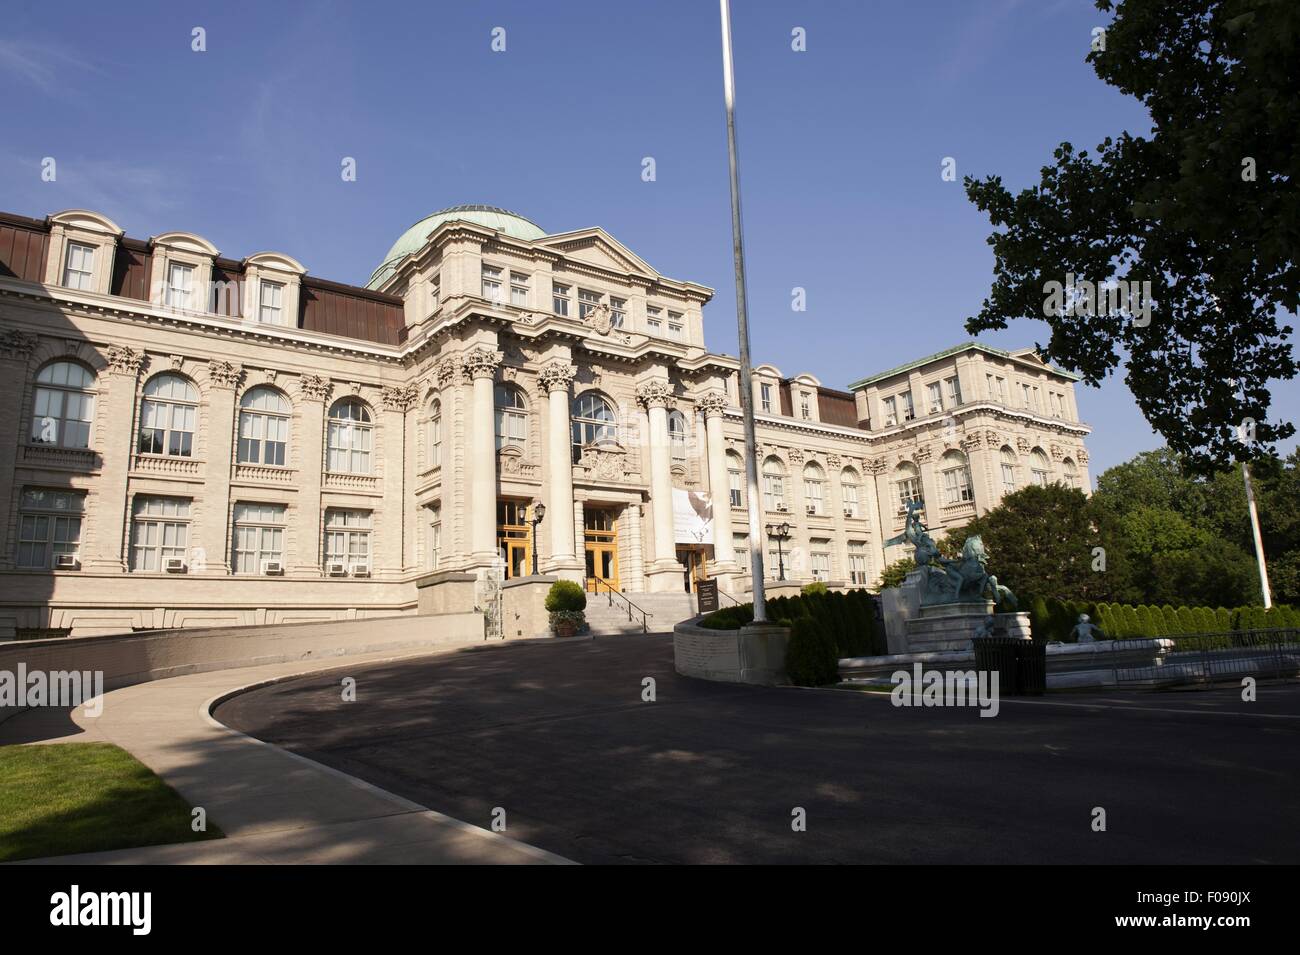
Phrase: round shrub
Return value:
(566, 595)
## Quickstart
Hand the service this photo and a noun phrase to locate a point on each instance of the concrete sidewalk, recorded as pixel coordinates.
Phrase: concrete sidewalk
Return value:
(274, 806)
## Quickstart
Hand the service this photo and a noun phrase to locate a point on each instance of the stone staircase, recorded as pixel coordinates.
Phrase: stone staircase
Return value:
(663, 611)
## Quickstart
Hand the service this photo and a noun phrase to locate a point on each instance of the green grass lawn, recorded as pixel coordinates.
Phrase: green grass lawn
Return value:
(85, 797)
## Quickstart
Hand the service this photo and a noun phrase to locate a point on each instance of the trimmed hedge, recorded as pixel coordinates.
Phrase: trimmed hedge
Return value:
(812, 658)
(847, 619)
(1053, 619)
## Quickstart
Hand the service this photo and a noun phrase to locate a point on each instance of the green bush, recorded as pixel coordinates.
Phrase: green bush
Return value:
(729, 618)
(566, 595)
(816, 587)
(811, 658)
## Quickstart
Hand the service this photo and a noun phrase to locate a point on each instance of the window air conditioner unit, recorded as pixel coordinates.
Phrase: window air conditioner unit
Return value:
(336, 569)
(812, 509)
(780, 506)
(67, 562)
(360, 570)
(174, 565)
(273, 568)
(848, 512)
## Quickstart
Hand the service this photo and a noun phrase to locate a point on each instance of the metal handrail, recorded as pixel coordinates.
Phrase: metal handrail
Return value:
(723, 593)
(611, 592)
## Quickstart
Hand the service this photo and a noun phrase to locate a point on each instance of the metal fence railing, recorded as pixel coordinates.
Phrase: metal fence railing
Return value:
(1208, 658)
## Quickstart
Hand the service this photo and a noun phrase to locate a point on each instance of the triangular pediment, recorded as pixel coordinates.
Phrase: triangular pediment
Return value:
(597, 247)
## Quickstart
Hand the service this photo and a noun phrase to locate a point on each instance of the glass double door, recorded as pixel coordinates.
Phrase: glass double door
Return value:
(514, 542)
(600, 534)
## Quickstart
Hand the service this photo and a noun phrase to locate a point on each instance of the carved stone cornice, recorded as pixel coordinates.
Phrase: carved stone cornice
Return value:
(316, 387)
(399, 398)
(557, 376)
(15, 343)
(123, 360)
(656, 393)
(224, 374)
(712, 404)
(482, 363)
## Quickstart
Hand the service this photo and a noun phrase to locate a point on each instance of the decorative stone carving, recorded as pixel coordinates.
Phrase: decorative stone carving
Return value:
(177, 361)
(557, 376)
(15, 343)
(923, 454)
(876, 466)
(1081, 455)
(356, 387)
(399, 398)
(268, 375)
(832, 460)
(972, 442)
(604, 462)
(124, 361)
(601, 319)
(482, 363)
(712, 404)
(510, 462)
(993, 438)
(1023, 445)
(656, 393)
(316, 387)
(446, 372)
(1057, 452)
(224, 374)
(795, 455)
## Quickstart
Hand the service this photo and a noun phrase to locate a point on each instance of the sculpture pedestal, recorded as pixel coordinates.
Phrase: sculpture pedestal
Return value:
(953, 626)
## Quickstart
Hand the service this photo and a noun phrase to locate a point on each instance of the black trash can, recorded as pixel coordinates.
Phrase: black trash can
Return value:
(1031, 668)
(999, 653)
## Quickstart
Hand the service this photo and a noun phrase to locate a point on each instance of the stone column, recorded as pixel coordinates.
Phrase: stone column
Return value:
(664, 574)
(214, 523)
(481, 367)
(314, 392)
(713, 405)
(397, 401)
(106, 507)
(556, 378)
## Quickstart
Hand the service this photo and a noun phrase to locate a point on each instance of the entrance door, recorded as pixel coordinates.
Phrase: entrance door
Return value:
(513, 541)
(601, 540)
(694, 562)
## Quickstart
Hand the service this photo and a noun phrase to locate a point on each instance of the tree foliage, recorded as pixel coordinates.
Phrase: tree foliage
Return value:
(1205, 208)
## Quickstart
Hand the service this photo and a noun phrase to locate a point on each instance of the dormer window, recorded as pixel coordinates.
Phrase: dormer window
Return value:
(270, 310)
(79, 271)
(765, 398)
(805, 405)
(180, 285)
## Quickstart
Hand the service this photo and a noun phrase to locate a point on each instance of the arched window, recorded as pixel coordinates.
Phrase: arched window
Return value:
(168, 416)
(63, 406)
(264, 427)
(433, 435)
(677, 435)
(1071, 472)
(512, 416)
(774, 484)
(907, 480)
(1039, 467)
(849, 486)
(955, 471)
(735, 479)
(814, 488)
(594, 422)
(351, 437)
(1008, 469)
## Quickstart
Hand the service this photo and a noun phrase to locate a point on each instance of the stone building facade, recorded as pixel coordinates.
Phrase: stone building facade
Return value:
(194, 440)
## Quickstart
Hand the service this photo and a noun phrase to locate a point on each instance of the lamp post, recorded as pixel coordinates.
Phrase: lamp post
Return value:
(539, 512)
(779, 533)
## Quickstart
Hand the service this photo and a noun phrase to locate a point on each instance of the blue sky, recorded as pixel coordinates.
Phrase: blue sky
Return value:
(841, 145)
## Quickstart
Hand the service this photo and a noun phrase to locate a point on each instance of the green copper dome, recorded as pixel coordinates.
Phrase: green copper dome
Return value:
(499, 220)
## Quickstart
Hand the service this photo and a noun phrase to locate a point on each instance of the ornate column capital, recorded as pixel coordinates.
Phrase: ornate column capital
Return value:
(712, 404)
(15, 343)
(482, 363)
(557, 376)
(446, 372)
(224, 374)
(316, 387)
(124, 361)
(399, 397)
(656, 393)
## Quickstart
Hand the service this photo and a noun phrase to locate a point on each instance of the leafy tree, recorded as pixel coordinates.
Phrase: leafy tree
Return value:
(896, 573)
(1205, 208)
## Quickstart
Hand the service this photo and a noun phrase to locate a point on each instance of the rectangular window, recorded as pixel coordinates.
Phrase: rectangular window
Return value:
(956, 486)
(588, 302)
(805, 405)
(909, 489)
(952, 387)
(180, 285)
(765, 398)
(736, 487)
(905, 402)
(654, 318)
(79, 270)
(1008, 477)
(258, 536)
(435, 536)
(935, 395)
(560, 298)
(675, 324)
(49, 524)
(858, 563)
(435, 291)
(891, 412)
(740, 543)
(850, 500)
(491, 283)
(812, 492)
(821, 559)
(519, 289)
(270, 310)
(62, 417)
(347, 537)
(618, 311)
(160, 530)
(773, 491)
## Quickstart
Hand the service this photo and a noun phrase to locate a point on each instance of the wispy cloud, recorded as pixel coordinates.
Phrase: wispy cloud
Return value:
(48, 67)
(138, 192)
